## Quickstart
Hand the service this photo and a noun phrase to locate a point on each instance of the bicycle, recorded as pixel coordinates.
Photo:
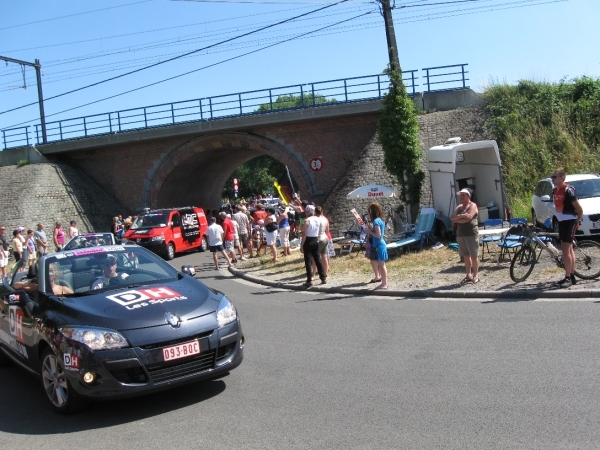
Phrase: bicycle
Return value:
(587, 255)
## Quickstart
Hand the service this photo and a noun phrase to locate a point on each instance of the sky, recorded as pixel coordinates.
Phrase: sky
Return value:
(80, 43)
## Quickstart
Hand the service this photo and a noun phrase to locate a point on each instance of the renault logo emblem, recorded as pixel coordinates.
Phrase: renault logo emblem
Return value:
(172, 320)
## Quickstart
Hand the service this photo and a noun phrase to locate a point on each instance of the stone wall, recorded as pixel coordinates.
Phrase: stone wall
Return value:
(54, 192)
(434, 129)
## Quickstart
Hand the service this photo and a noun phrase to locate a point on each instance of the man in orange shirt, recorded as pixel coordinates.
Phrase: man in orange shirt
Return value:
(260, 213)
(569, 213)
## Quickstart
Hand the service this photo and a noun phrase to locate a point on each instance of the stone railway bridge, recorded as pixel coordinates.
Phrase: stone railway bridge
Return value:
(188, 164)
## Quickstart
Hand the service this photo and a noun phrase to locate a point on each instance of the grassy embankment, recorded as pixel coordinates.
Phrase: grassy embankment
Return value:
(542, 126)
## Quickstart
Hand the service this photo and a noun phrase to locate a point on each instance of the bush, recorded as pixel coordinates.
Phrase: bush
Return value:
(542, 126)
(22, 163)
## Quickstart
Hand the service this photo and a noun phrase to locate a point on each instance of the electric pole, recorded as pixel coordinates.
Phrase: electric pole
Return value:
(38, 73)
(390, 34)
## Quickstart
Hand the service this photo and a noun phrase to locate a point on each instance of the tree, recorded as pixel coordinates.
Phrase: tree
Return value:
(295, 101)
(398, 134)
(255, 177)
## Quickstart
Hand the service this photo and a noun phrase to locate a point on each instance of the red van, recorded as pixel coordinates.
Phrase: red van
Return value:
(170, 230)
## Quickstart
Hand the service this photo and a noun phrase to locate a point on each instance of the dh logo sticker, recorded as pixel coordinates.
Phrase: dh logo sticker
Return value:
(71, 360)
(149, 296)
(15, 321)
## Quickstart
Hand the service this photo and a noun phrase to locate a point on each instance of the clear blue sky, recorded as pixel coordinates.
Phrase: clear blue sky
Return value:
(83, 42)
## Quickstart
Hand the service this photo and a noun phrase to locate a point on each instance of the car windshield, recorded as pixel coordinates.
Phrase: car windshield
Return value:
(86, 271)
(151, 220)
(587, 188)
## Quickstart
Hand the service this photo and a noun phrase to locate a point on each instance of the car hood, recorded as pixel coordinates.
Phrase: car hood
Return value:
(142, 306)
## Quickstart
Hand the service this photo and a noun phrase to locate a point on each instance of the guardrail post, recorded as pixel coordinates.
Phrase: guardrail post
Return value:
(240, 102)
(84, 127)
(313, 93)
(119, 120)
(60, 129)
(201, 114)
(302, 96)
(172, 114)
(345, 90)
(412, 76)
(145, 119)
(110, 123)
(427, 77)
(270, 100)
(463, 77)
(27, 135)
(37, 134)
(4, 138)
(210, 105)
(379, 85)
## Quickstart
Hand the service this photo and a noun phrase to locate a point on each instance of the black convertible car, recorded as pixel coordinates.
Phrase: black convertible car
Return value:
(113, 322)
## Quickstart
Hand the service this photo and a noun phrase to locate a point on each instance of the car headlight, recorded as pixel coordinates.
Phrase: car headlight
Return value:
(95, 338)
(226, 312)
(158, 238)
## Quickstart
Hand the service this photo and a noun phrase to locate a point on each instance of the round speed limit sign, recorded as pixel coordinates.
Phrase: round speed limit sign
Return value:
(316, 164)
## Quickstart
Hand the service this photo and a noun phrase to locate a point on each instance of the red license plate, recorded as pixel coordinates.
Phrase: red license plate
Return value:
(181, 350)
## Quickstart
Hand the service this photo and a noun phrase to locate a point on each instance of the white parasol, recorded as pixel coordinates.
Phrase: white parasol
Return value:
(372, 191)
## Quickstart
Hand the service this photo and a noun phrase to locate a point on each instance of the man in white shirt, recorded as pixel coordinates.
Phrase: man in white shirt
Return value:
(215, 242)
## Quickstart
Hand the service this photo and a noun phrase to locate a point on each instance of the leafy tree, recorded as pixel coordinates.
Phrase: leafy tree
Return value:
(255, 177)
(397, 132)
(295, 101)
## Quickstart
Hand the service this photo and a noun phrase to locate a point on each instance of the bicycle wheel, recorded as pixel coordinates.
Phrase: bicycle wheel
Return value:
(587, 260)
(522, 264)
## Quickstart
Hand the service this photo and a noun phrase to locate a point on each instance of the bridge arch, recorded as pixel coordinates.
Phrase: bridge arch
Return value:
(194, 173)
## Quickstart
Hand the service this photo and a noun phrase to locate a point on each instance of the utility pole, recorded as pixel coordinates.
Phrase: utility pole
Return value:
(390, 34)
(38, 73)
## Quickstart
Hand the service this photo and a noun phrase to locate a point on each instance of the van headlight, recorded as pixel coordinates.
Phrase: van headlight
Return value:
(226, 312)
(158, 238)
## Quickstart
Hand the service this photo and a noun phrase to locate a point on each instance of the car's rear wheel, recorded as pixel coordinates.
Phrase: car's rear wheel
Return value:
(204, 245)
(170, 251)
(63, 399)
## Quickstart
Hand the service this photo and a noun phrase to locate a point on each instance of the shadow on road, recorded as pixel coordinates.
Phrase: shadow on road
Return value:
(31, 414)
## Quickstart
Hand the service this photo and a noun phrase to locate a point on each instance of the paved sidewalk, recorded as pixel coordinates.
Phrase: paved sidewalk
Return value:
(516, 294)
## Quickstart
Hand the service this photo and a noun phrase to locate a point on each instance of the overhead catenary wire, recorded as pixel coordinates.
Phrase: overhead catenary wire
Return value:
(179, 56)
(195, 70)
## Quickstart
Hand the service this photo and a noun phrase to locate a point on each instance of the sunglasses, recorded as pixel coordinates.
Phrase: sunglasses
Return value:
(554, 176)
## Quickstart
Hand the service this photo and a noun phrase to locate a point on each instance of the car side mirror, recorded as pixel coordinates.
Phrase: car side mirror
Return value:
(545, 198)
(189, 270)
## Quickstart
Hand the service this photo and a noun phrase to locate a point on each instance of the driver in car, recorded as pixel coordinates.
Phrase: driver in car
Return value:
(109, 276)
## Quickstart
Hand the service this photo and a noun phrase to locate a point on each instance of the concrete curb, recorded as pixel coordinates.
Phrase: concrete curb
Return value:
(521, 294)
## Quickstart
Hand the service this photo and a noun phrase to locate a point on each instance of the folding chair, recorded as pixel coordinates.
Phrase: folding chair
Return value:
(490, 224)
(422, 233)
(516, 221)
(511, 242)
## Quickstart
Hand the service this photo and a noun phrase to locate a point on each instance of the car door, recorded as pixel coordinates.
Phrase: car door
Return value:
(16, 330)
(177, 231)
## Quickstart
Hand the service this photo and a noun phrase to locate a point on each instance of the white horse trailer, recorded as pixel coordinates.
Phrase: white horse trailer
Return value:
(455, 166)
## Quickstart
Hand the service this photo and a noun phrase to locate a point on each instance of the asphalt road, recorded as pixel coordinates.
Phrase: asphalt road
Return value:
(340, 372)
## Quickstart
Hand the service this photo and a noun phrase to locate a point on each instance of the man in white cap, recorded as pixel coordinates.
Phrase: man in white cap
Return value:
(467, 234)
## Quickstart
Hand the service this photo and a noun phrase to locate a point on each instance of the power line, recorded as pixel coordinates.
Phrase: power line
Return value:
(72, 15)
(199, 69)
(150, 31)
(178, 57)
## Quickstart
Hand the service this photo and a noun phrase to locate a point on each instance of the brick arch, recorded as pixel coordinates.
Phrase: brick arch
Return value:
(195, 172)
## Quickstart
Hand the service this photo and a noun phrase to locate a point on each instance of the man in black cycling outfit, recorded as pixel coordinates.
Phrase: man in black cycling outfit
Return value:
(569, 213)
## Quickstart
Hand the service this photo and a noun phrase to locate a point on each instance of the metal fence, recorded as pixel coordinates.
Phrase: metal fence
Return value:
(262, 101)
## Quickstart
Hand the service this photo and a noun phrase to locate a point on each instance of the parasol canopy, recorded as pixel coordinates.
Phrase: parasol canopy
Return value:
(372, 191)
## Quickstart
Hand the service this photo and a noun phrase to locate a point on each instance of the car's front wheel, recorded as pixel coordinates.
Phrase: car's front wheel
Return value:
(60, 394)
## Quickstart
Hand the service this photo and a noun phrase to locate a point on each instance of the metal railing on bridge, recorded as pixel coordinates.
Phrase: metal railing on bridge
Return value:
(310, 95)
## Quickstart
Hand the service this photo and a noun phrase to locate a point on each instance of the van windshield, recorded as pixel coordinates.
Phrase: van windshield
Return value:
(150, 220)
